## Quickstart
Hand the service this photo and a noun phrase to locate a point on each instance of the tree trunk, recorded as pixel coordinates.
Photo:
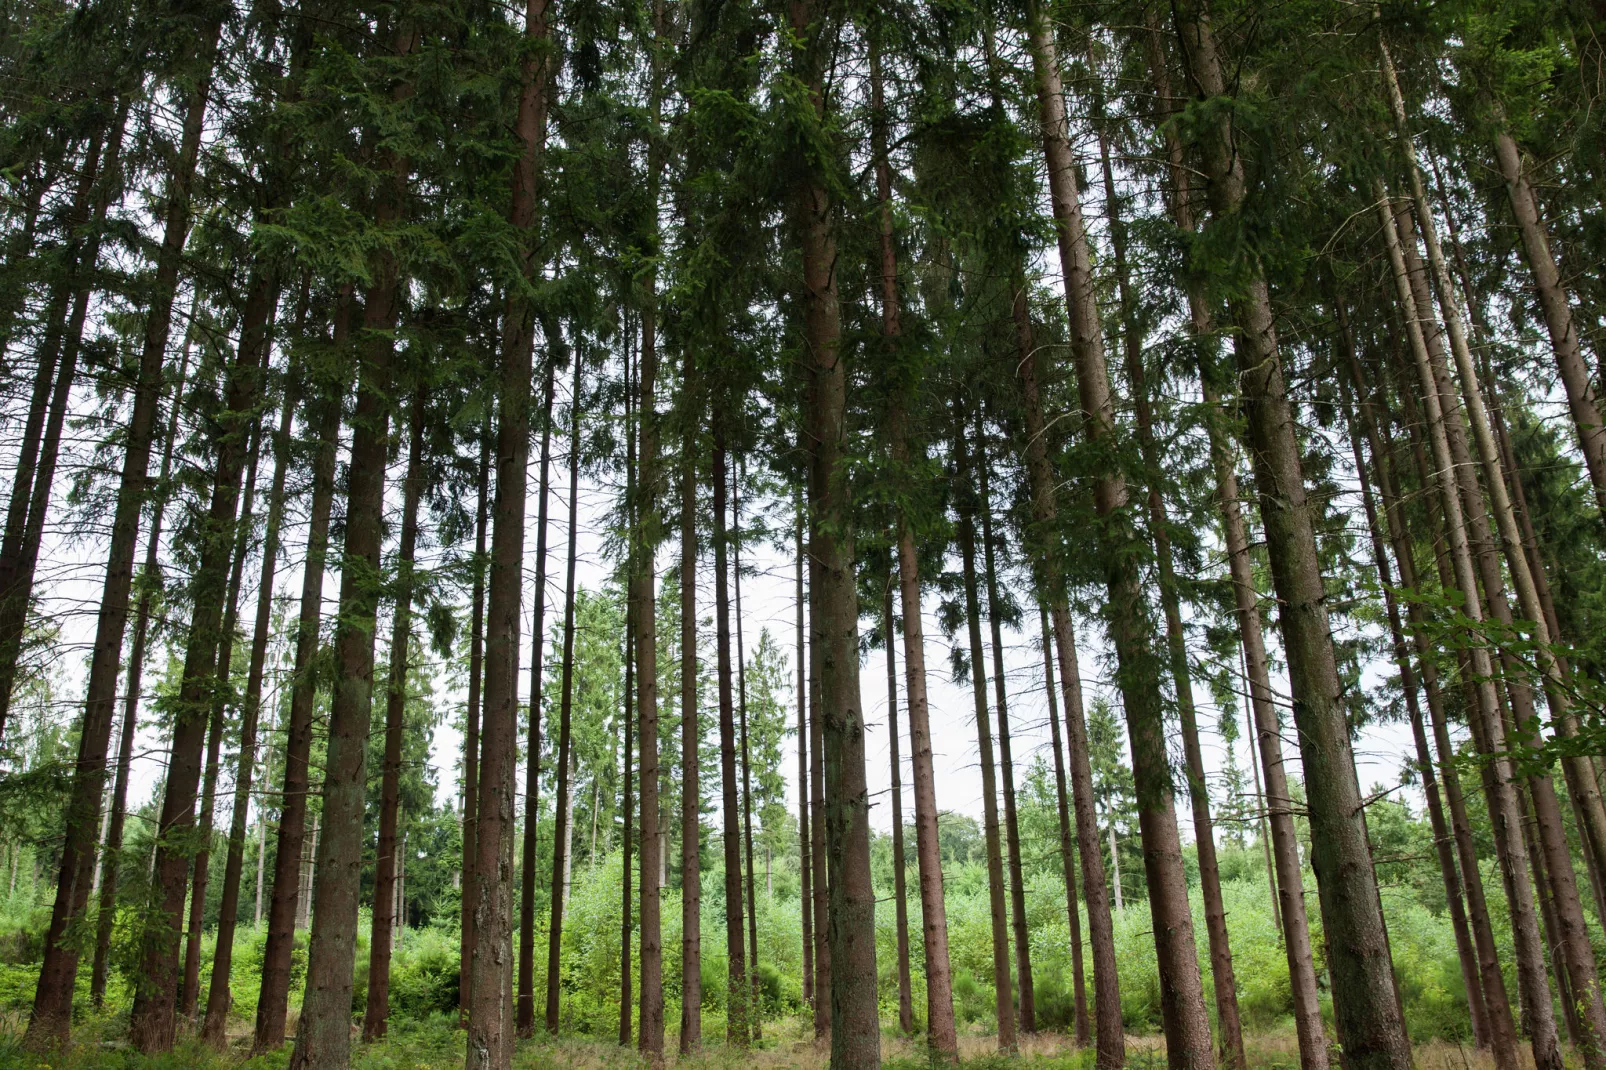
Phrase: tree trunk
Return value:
(219, 997)
(323, 1035)
(51, 1018)
(288, 903)
(1115, 867)
(941, 1036)
(471, 729)
(1502, 801)
(532, 780)
(805, 841)
(1186, 1022)
(737, 986)
(1073, 913)
(376, 1012)
(1017, 883)
(626, 927)
(1365, 1007)
(821, 907)
(150, 581)
(563, 806)
(691, 799)
(906, 1013)
(968, 506)
(755, 1017)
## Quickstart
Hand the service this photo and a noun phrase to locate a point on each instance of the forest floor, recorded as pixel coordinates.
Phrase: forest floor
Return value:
(437, 1045)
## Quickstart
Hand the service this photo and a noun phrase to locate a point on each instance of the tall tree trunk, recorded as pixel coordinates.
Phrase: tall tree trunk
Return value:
(737, 987)
(968, 506)
(628, 805)
(563, 805)
(691, 798)
(51, 1017)
(190, 994)
(1017, 882)
(471, 729)
(804, 839)
(1231, 1039)
(491, 1024)
(288, 902)
(376, 1012)
(1443, 841)
(532, 750)
(906, 1012)
(941, 1034)
(1073, 912)
(323, 1035)
(821, 907)
(1365, 1007)
(755, 1019)
(218, 997)
(150, 581)
(1502, 799)
(1186, 1023)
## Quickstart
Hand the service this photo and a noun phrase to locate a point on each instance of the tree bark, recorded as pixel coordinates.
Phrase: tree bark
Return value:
(1365, 1007)
(628, 805)
(532, 781)
(471, 730)
(906, 1013)
(737, 986)
(755, 1015)
(996, 893)
(376, 1013)
(1073, 912)
(1186, 1023)
(563, 805)
(287, 901)
(51, 1018)
(691, 799)
(805, 840)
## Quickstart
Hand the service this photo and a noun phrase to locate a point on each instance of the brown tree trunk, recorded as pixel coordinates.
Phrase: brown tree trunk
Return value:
(906, 1012)
(804, 839)
(1186, 1022)
(532, 750)
(821, 907)
(628, 805)
(755, 1016)
(1006, 760)
(941, 1035)
(491, 1023)
(1231, 1038)
(51, 1018)
(1502, 799)
(1073, 913)
(737, 987)
(563, 805)
(218, 996)
(376, 1012)
(150, 581)
(471, 731)
(1365, 1007)
(691, 798)
(287, 902)
(968, 507)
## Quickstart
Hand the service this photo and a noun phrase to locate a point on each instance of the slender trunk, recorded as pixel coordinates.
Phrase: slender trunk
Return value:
(1443, 841)
(149, 582)
(691, 798)
(532, 780)
(821, 907)
(1231, 1040)
(941, 1036)
(376, 1012)
(288, 903)
(1115, 868)
(1502, 798)
(1365, 1007)
(736, 987)
(628, 805)
(471, 732)
(1186, 1022)
(996, 894)
(1017, 883)
(219, 997)
(491, 1021)
(1073, 913)
(906, 1012)
(755, 1017)
(563, 806)
(51, 1018)
(805, 841)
